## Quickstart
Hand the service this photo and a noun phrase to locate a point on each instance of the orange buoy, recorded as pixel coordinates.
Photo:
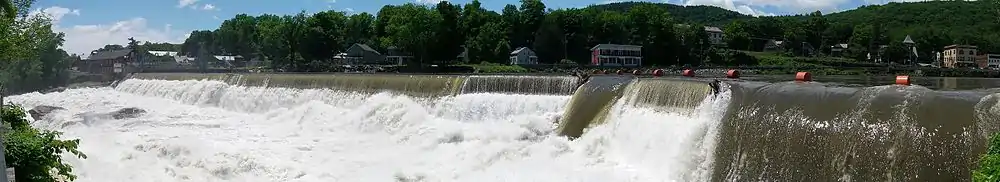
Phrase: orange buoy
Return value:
(803, 77)
(619, 72)
(688, 73)
(903, 80)
(733, 74)
(636, 72)
(658, 72)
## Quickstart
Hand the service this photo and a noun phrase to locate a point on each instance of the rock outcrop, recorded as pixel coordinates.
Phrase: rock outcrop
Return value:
(128, 112)
(41, 111)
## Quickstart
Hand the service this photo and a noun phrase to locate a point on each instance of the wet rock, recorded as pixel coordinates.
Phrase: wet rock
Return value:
(41, 111)
(128, 112)
(51, 90)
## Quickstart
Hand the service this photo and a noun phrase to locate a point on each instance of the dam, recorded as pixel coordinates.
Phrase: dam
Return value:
(370, 127)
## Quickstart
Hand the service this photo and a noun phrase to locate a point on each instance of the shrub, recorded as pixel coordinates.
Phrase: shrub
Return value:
(989, 164)
(498, 68)
(35, 153)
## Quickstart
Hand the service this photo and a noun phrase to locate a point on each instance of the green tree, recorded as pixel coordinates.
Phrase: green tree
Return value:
(695, 45)
(532, 15)
(407, 29)
(473, 17)
(449, 34)
(860, 43)
(273, 46)
(323, 38)
(489, 44)
(7, 9)
(360, 29)
(652, 27)
(34, 153)
(513, 26)
(550, 40)
(814, 27)
(608, 27)
(737, 35)
(237, 36)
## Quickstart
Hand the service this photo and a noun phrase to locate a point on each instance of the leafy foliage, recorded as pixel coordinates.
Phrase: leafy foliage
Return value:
(669, 34)
(989, 164)
(30, 57)
(35, 153)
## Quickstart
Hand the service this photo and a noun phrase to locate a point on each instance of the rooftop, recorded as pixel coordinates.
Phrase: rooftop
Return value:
(960, 46)
(519, 50)
(617, 47)
(112, 54)
(163, 53)
(713, 29)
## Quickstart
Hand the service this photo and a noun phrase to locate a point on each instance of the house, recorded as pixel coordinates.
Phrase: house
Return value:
(838, 49)
(163, 53)
(227, 61)
(993, 61)
(959, 56)
(715, 35)
(361, 54)
(397, 57)
(183, 60)
(107, 63)
(152, 59)
(774, 45)
(616, 55)
(523, 56)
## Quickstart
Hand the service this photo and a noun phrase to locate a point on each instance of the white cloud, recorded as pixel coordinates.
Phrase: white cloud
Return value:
(85, 38)
(349, 9)
(331, 1)
(183, 3)
(754, 7)
(81, 39)
(610, 1)
(56, 12)
(732, 5)
(209, 7)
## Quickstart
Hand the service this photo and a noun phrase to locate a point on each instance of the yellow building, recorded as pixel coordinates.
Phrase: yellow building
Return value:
(959, 56)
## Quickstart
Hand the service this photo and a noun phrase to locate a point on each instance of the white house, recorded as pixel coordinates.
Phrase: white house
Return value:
(163, 53)
(522, 56)
(993, 60)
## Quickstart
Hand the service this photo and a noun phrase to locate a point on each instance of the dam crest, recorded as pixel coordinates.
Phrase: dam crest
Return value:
(736, 131)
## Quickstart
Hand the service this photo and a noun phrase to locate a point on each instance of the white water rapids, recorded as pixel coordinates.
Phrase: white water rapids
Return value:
(210, 131)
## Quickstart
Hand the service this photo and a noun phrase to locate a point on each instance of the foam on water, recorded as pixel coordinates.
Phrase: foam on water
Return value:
(662, 145)
(211, 131)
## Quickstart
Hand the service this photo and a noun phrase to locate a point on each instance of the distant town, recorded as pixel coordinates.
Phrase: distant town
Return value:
(612, 36)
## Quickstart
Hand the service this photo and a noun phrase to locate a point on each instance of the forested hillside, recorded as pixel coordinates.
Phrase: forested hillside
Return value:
(931, 24)
(707, 15)
(437, 34)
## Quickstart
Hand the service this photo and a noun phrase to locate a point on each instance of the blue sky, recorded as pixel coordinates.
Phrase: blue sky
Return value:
(92, 24)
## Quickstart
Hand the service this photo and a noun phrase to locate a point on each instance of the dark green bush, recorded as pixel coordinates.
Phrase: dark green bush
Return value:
(35, 153)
